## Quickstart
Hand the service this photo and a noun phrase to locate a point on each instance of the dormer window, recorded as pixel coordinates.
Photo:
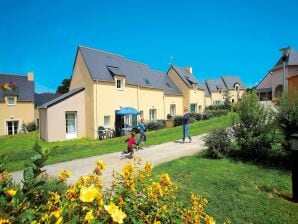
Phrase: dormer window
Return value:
(119, 84)
(220, 91)
(10, 100)
(194, 87)
(237, 87)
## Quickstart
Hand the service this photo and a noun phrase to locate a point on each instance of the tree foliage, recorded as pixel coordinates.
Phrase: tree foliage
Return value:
(64, 87)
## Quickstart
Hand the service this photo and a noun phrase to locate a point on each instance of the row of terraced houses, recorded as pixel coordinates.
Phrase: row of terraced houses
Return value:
(110, 91)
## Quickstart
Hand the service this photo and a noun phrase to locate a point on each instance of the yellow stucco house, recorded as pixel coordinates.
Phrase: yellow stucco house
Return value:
(217, 87)
(110, 91)
(16, 102)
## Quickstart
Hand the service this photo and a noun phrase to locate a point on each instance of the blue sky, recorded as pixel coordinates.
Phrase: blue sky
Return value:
(214, 37)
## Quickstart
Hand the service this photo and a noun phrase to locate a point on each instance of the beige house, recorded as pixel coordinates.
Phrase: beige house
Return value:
(217, 87)
(110, 92)
(16, 102)
(271, 86)
(193, 91)
(112, 84)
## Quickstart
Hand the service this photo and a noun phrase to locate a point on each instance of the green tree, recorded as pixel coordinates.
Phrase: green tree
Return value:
(64, 87)
(227, 100)
(254, 131)
(287, 117)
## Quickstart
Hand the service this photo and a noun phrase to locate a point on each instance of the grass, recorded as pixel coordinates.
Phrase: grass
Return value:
(19, 148)
(241, 193)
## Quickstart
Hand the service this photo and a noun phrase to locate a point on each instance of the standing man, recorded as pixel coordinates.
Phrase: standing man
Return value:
(186, 122)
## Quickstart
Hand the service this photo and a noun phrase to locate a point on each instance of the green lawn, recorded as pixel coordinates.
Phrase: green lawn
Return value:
(19, 148)
(241, 193)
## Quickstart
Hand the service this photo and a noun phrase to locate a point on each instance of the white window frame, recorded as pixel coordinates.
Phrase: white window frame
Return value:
(119, 83)
(152, 114)
(70, 134)
(15, 131)
(173, 109)
(106, 121)
(8, 98)
(237, 87)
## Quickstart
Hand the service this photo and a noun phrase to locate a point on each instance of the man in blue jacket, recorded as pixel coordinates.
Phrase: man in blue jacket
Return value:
(186, 122)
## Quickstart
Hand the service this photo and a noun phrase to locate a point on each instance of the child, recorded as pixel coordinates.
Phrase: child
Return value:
(141, 128)
(131, 142)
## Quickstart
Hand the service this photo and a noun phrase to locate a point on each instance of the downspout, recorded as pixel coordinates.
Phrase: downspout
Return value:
(164, 107)
(138, 103)
(96, 108)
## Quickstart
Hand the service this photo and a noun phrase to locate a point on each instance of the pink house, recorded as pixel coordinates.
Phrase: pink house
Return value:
(272, 84)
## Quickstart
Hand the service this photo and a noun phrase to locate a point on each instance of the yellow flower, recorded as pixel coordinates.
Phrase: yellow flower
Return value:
(4, 176)
(117, 214)
(4, 220)
(148, 168)
(100, 165)
(165, 180)
(156, 188)
(128, 169)
(89, 216)
(55, 197)
(64, 174)
(88, 194)
(10, 192)
(59, 220)
(209, 220)
(156, 222)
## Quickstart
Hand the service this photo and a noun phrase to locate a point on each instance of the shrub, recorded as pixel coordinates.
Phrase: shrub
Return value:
(31, 126)
(134, 197)
(217, 142)
(169, 116)
(178, 120)
(155, 125)
(287, 118)
(255, 131)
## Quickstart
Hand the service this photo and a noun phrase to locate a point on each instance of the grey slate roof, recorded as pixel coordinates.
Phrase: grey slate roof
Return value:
(224, 83)
(103, 66)
(230, 81)
(24, 90)
(42, 98)
(207, 93)
(62, 97)
(214, 84)
(292, 59)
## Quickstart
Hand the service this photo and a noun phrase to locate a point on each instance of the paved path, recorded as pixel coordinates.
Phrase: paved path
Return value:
(156, 154)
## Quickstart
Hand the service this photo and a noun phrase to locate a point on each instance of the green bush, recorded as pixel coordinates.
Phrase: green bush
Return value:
(287, 118)
(31, 126)
(218, 143)
(155, 125)
(255, 130)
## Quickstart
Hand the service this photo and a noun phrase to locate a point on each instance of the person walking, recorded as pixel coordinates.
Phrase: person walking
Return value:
(143, 137)
(185, 126)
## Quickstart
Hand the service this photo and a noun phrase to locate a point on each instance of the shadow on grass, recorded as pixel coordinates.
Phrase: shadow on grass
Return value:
(273, 191)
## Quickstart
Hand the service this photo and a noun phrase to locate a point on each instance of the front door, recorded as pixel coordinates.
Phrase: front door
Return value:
(71, 125)
(12, 127)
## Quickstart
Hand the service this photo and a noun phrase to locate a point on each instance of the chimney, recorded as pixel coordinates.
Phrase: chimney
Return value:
(30, 76)
(188, 69)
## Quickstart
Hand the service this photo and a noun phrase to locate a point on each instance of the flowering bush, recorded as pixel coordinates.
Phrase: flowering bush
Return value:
(134, 197)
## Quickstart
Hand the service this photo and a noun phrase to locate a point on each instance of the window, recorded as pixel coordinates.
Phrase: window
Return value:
(119, 84)
(194, 87)
(127, 121)
(200, 108)
(220, 91)
(70, 118)
(152, 114)
(141, 113)
(12, 127)
(173, 109)
(237, 88)
(216, 102)
(11, 100)
(106, 121)
(193, 108)
(233, 100)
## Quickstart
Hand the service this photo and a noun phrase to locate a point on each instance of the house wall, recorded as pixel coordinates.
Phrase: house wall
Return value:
(21, 111)
(208, 101)
(277, 77)
(54, 118)
(181, 86)
(108, 99)
(43, 124)
(197, 97)
(82, 78)
(236, 95)
(172, 99)
(293, 86)
(216, 96)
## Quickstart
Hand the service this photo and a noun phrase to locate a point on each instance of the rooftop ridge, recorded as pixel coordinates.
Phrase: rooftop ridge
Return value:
(106, 52)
